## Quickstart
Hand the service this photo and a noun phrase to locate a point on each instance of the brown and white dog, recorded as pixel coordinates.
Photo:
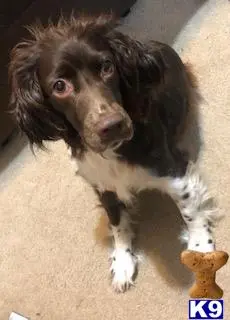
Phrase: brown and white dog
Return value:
(122, 107)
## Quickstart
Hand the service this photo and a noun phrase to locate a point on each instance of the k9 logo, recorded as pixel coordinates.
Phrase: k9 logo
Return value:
(206, 309)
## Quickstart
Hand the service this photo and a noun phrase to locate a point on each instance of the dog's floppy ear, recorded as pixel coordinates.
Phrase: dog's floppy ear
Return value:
(137, 63)
(27, 102)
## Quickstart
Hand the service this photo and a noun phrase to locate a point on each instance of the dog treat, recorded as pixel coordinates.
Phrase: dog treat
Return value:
(205, 265)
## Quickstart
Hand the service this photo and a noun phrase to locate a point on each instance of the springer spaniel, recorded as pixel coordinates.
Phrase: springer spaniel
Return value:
(122, 108)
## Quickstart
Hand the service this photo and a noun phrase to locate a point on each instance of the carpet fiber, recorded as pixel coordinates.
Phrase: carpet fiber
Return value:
(51, 266)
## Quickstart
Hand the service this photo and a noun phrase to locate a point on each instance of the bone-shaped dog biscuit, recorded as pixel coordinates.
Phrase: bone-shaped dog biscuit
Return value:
(205, 265)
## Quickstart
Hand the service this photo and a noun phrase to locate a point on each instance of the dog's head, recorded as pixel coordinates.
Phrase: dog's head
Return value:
(67, 81)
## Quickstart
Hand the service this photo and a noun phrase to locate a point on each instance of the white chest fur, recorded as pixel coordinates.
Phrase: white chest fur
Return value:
(108, 173)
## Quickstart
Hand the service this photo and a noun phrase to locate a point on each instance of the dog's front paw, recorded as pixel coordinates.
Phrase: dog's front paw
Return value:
(123, 269)
(202, 246)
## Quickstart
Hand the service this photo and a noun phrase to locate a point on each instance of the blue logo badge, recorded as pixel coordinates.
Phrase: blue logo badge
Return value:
(206, 309)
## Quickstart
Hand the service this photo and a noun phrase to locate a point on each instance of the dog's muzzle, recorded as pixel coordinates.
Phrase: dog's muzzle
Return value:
(114, 129)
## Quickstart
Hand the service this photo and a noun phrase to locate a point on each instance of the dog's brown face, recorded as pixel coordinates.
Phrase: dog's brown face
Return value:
(66, 80)
(80, 79)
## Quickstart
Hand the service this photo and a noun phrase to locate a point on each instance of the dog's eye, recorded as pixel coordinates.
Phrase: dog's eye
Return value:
(107, 68)
(62, 87)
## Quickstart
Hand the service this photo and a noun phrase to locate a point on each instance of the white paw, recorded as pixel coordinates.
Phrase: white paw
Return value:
(123, 268)
(201, 245)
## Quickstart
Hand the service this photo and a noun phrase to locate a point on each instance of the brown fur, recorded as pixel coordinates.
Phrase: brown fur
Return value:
(149, 90)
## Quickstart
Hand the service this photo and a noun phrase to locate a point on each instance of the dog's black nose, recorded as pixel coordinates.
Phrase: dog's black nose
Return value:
(111, 127)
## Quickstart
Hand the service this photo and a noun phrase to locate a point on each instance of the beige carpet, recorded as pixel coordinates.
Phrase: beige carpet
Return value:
(51, 267)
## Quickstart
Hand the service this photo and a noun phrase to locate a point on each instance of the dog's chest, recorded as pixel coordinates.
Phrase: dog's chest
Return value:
(108, 173)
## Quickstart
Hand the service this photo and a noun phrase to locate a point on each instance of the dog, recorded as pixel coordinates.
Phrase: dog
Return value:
(122, 108)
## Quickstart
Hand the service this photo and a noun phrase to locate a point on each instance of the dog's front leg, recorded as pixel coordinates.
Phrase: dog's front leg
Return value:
(123, 259)
(197, 208)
